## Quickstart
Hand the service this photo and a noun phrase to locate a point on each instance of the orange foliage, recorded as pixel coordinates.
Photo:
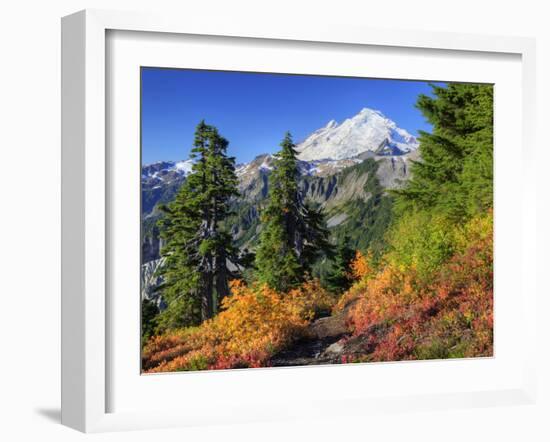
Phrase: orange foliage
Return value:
(255, 323)
(401, 317)
(360, 266)
(361, 270)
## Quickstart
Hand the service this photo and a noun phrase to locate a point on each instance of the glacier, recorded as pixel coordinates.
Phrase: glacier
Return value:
(368, 131)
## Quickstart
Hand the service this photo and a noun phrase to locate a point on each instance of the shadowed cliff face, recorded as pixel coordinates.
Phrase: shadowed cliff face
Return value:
(327, 181)
(340, 189)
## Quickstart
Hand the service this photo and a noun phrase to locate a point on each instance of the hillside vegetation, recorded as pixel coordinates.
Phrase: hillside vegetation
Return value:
(422, 290)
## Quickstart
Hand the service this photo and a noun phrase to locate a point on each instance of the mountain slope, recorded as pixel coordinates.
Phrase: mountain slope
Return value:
(348, 195)
(160, 181)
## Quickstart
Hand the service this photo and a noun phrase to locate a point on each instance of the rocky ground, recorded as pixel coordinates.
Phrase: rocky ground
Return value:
(320, 345)
(325, 341)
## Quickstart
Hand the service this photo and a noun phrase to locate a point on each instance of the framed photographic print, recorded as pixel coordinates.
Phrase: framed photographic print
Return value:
(251, 213)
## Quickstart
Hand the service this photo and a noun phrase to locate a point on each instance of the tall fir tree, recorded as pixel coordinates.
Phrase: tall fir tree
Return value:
(197, 249)
(294, 234)
(455, 173)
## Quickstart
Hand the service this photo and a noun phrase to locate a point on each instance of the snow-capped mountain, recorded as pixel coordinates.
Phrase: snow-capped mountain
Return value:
(163, 170)
(368, 131)
(161, 180)
(326, 152)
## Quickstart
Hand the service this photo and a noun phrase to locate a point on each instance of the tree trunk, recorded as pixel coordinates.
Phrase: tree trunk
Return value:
(207, 307)
(222, 286)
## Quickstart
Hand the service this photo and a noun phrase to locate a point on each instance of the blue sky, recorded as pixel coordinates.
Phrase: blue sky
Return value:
(253, 111)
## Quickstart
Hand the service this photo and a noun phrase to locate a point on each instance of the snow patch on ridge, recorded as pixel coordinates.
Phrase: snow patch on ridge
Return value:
(161, 169)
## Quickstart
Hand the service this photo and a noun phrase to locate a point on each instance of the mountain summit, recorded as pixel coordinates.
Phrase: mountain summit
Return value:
(368, 131)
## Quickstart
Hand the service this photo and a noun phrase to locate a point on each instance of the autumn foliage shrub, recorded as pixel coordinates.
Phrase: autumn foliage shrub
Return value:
(255, 323)
(361, 270)
(361, 266)
(401, 315)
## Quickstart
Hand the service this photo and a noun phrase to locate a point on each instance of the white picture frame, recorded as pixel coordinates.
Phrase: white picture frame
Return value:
(85, 235)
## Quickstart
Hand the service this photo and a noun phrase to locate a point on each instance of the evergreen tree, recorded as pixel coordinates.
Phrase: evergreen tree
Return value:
(455, 173)
(294, 234)
(149, 312)
(197, 249)
(339, 278)
(315, 236)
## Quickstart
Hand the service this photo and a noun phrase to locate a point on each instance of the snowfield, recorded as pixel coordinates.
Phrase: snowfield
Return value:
(369, 130)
